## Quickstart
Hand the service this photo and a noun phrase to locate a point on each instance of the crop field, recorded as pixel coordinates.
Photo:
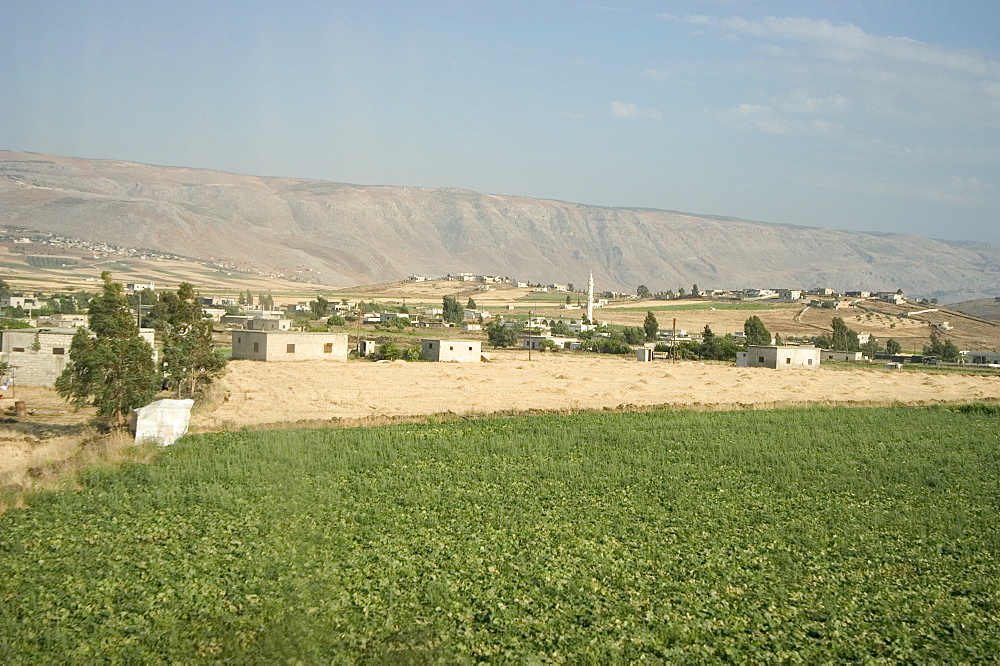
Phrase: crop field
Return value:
(813, 535)
(712, 305)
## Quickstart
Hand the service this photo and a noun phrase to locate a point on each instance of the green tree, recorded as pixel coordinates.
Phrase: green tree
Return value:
(694, 291)
(871, 347)
(650, 326)
(560, 328)
(336, 320)
(778, 340)
(471, 305)
(680, 292)
(110, 366)
(844, 339)
(499, 335)
(710, 348)
(633, 335)
(755, 331)
(452, 310)
(189, 354)
(892, 346)
(319, 307)
(642, 291)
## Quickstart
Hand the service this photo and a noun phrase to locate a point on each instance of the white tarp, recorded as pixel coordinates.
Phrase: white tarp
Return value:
(163, 421)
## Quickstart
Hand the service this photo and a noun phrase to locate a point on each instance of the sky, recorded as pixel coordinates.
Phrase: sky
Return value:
(873, 115)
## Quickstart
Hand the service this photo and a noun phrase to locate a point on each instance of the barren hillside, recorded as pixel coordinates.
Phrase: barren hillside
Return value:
(352, 234)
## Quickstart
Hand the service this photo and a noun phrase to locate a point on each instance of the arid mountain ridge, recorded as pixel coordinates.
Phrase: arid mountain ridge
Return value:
(346, 234)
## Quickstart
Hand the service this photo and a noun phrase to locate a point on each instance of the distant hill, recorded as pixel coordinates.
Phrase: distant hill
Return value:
(354, 234)
(984, 308)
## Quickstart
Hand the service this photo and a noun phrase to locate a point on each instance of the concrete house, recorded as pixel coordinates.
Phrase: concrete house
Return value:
(778, 357)
(464, 351)
(268, 324)
(38, 356)
(289, 346)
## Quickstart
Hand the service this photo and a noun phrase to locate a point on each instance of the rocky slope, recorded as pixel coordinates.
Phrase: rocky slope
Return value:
(352, 234)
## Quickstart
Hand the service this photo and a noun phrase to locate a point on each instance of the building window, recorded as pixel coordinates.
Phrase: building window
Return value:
(470, 348)
(256, 346)
(760, 359)
(809, 361)
(58, 351)
(788, 360)
(328, 348)
(290, 349)
(18, 349)
(238, 339)
(451, 348)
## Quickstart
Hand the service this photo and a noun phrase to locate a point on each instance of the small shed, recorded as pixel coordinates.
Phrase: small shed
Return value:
(463, 351)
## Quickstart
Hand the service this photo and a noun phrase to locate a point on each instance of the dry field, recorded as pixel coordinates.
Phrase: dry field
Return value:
(257, 394)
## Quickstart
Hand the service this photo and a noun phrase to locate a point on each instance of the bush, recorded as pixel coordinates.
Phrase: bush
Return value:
(336, 320)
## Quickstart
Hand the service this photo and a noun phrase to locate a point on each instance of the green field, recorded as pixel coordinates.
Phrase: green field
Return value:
(819, 535)
(703, 306)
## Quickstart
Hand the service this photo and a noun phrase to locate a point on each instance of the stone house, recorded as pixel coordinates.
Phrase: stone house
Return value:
(289, 346)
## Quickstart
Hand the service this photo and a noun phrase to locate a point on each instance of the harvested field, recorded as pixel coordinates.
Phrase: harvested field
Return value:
(257, 394)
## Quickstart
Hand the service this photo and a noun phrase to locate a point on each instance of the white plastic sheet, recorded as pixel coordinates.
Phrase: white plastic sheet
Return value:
(163, 421)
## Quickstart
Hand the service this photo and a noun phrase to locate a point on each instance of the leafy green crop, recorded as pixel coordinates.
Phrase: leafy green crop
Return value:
(799, 535)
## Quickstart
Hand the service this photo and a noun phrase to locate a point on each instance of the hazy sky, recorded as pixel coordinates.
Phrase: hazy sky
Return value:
(879, 115)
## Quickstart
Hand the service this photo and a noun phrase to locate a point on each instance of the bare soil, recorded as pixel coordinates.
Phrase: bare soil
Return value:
(255, 394)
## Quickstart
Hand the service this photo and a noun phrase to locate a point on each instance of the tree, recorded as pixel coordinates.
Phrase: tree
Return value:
(680, 292)
(500, 335)
(634, 335)
(471, 305)
(452, 310)
(892, 346)
(561, 328)
(694, 291)
(319, 307)
(777, 339)
(709, 344)
(110, 366)
(755, 331)
(844, 339)
(871, 347)
(189, 354)
(650, 326)
(642, 291)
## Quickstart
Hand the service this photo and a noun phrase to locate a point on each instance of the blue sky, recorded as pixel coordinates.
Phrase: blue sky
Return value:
(875, 115)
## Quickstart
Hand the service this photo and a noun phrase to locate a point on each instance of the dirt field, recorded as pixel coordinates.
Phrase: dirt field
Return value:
(266, 393)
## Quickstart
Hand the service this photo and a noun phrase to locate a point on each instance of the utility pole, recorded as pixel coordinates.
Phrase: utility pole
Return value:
(528, 329)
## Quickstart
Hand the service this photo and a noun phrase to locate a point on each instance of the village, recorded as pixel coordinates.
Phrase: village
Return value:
(499, 313)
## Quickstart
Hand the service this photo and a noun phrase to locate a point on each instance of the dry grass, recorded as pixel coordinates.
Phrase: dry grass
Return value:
(31, 464)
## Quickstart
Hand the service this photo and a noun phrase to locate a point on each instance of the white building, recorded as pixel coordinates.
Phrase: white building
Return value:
(778, 357)
(460, 351)
(289, 346)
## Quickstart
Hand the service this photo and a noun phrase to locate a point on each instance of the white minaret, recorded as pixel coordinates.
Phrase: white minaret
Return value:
(590, 299)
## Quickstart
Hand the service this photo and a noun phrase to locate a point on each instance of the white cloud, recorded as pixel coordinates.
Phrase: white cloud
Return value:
(627, 111)
(847, 42)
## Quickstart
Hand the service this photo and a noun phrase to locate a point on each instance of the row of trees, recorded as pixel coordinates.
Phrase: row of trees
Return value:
(111, 366)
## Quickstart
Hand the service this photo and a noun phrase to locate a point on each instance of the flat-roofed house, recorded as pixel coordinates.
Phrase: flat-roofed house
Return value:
(289, 346)
(778, 357)
(38, 356)
(463, 351)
